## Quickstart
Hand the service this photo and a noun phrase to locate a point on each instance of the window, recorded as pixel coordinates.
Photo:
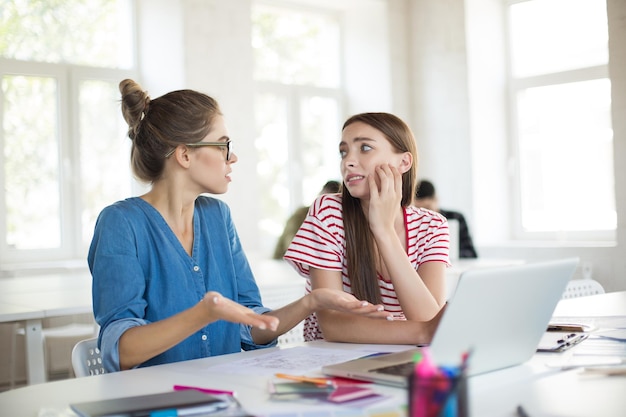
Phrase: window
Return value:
(64, 151)
(561, 118)
(298, 106)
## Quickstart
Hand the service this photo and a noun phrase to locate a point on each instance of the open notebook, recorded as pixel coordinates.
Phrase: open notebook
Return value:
(499, 313)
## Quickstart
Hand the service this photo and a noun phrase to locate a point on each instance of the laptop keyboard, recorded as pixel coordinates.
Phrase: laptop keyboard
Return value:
(402, 369)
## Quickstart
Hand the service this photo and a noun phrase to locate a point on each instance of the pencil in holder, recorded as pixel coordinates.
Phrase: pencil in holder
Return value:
(436, 391)
(440, 394)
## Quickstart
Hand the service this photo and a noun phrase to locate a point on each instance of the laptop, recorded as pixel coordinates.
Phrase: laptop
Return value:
(500, 314)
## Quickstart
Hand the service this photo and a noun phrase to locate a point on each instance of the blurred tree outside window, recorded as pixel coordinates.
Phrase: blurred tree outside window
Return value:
(64, 152)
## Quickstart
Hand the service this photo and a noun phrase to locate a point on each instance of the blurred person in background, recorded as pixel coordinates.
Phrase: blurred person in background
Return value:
(295, 221)
(426, 197)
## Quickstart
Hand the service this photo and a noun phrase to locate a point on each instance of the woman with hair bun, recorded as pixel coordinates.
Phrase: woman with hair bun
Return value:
(170, 279)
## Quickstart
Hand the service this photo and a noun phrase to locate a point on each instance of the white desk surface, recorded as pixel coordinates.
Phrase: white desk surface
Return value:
(13, 313)
(26, 284)
(49, 295)
(611, 304)
(53, 303)
(453, 273)
(543, 391)
(463, 264)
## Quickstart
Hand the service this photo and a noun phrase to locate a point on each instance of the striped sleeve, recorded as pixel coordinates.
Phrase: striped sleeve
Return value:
(320, 241)
(428, 238)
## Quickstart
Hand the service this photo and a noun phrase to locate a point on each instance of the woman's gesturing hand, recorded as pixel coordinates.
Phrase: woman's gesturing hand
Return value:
(332, 299)
(222, 308)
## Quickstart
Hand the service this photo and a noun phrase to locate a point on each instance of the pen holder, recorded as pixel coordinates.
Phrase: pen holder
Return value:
(440, 395)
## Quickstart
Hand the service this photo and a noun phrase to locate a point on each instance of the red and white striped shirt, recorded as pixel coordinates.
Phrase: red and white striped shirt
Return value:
(321, 243)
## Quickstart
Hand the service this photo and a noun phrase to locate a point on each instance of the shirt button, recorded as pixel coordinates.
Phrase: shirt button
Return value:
(204, 337)
(196, 268)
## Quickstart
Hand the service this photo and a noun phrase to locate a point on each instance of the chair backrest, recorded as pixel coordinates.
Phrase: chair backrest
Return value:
(86, 358)
(582, 287)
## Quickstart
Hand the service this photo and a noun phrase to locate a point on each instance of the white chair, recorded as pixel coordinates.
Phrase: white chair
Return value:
(293, 336)
(68, 331)
(86, 358)
(582, 287)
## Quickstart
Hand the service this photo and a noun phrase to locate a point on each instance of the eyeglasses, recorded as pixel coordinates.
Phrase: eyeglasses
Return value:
(228, 145)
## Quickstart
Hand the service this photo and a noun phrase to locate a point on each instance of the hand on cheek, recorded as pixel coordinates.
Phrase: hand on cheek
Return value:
(386, 179)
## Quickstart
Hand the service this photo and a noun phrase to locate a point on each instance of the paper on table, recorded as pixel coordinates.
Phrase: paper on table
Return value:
(573, 362)
(618, 335)
(608, 322)
(295, 360)
(601, 346)
(607, 370)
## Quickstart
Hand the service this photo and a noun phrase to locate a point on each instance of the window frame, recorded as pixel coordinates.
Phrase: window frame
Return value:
(293, 95)
(68, 78)
(516, 85)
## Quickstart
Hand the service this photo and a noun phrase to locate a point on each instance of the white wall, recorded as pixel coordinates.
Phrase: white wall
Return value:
(161, 39)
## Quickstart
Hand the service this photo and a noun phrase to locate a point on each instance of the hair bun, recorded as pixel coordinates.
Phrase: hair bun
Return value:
(135, 104)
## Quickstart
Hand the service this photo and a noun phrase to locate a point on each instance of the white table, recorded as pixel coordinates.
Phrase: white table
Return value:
(543, 391)
(612, 304)
(30, 299)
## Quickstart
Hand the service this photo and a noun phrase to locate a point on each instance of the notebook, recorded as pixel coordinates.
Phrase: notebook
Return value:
(183, 402)
(500, 314)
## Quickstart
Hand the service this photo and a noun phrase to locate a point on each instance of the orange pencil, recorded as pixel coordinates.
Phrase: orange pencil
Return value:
(301, 378)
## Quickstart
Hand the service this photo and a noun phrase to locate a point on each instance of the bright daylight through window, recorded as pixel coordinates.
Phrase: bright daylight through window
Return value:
(562, 118)
(61, 133)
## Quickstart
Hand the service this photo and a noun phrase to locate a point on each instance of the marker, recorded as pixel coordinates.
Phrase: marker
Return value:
(300, 378)
(205, 390)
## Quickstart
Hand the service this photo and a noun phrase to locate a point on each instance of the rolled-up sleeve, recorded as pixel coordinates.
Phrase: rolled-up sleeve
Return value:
(110, 342)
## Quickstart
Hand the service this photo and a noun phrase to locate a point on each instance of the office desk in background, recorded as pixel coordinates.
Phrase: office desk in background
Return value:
(611, 304)
(30, 299)
(543, 391)
(459, 266)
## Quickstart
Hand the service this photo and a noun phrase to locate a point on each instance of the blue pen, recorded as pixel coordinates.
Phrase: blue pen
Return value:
(171, 412)
(189, 411)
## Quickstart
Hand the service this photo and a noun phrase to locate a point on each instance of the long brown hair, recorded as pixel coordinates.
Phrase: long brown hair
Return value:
(158, 126)
(360, 254)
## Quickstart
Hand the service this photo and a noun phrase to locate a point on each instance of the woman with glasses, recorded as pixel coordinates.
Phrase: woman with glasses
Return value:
(170, 279)
(370, 241)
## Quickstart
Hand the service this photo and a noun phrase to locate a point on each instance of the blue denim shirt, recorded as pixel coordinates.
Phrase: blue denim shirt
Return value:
(142, 274)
